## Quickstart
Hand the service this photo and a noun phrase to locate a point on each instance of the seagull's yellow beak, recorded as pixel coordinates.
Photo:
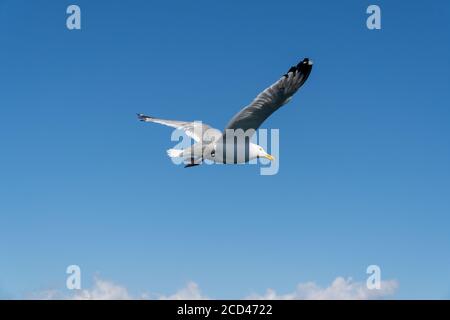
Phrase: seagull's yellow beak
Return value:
(268, 156)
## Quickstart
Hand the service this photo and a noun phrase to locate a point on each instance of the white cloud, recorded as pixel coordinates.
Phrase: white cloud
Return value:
(340, 288)
(107, 290)
(50, 294)
(103, 290)
(190, 292)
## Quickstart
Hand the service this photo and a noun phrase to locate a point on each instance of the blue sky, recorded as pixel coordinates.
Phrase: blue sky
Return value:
(364, 146)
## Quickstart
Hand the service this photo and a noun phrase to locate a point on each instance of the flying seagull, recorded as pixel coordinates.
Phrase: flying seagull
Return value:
(212, 144)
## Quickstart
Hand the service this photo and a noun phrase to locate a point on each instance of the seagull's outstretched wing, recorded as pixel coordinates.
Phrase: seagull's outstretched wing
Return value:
(268, 101)
(195, 130)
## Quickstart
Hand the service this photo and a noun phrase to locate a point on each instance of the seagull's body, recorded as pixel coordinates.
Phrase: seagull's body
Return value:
(221, 146)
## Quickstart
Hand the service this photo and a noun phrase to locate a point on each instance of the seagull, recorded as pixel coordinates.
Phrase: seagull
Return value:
(221, 146)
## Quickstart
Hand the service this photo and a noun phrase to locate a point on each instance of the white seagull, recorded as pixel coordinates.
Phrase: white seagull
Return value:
(212, 144)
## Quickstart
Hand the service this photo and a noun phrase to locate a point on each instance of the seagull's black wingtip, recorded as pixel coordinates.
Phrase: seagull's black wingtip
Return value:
(307, 61)
(303, 66)
(141, 116)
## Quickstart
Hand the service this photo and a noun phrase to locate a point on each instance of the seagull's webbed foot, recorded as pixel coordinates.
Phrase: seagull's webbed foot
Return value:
(191, 165)
(193, 162)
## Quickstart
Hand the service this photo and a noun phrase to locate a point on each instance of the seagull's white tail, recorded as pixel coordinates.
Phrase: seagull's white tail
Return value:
(174, 153)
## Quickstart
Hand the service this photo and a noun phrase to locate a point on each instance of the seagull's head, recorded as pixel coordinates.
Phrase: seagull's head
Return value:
(261, 153)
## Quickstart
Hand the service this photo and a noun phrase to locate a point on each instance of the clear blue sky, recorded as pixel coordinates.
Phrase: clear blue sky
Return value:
(364, 166)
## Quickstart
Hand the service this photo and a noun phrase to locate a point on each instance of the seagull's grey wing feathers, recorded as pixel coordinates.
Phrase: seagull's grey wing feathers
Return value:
(268, 101)
(195, 130)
